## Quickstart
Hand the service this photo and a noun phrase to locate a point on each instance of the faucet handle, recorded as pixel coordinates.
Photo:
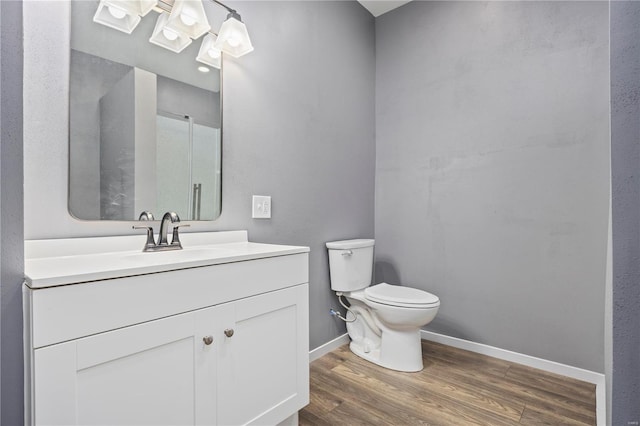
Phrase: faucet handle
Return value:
(146, 215)
(175, 238)
(151, 242)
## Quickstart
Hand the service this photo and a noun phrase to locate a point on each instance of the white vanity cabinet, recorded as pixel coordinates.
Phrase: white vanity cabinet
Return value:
(222, 344)
(143, 374)
(256, 373)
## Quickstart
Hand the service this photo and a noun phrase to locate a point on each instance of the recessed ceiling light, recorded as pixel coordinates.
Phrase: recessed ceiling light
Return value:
(203, 69)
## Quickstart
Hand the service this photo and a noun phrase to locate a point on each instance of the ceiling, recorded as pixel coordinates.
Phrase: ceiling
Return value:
(379, 7)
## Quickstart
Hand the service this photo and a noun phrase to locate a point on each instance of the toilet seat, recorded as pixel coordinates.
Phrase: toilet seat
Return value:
(400, 296)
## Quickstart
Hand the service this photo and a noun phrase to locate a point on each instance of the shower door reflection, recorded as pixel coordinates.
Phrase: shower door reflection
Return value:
(187, 167)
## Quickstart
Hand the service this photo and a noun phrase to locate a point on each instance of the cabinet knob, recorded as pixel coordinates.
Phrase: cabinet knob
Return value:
(228, 332)
(207, 340)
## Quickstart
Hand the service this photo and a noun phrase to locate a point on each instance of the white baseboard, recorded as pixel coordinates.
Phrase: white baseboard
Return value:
(597, 379)
(328, 347)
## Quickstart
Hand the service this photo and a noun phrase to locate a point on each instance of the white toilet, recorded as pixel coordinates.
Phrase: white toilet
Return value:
(383, 321)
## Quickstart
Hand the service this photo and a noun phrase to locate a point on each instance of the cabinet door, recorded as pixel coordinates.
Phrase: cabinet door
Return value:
(143, 375)
(263, 368)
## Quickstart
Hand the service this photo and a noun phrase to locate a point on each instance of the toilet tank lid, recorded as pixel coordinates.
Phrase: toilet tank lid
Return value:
(349, 244)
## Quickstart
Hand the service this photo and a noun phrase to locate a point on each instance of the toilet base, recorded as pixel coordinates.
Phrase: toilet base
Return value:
(399, 350)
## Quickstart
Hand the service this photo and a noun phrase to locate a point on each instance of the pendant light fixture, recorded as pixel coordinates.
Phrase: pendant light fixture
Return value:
(122, 15)
(115, 15)
(180, 22)
(135, 7)
(233, 37)
(208, 53)
(168, 38)
(188, 17)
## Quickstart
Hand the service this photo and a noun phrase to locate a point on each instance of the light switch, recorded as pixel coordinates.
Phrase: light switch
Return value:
(261, 207)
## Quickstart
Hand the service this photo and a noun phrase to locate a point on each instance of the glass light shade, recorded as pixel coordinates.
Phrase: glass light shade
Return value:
(175, 44)
(146, 6)
(135, 7)
(208, 54)
(132, 7)
(233, 38)
(117, 13)
(108, 14)
(188, 17)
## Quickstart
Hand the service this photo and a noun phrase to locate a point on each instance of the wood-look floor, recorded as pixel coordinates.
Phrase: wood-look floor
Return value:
(456, 387)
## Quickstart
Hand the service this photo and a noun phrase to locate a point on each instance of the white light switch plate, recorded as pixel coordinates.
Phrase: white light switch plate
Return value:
(261, 207)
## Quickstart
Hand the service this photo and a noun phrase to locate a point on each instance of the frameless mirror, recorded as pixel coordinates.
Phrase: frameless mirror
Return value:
(145, 124)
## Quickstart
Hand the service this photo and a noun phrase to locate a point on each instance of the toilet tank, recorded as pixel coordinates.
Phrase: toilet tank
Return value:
(350, 264)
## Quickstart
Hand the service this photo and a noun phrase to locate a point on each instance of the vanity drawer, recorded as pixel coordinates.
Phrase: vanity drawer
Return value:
(78, 310)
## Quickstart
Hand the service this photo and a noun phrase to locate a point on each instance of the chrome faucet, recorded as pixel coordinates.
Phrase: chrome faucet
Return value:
(162, 244)
(164, 224)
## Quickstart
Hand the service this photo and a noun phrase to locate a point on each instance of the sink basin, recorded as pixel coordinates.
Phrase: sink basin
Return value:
(173, 256)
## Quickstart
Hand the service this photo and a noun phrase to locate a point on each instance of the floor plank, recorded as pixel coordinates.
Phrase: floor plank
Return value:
(549, 399)
(531, 416)
(553, 382)
(491, 408)
(456, 387)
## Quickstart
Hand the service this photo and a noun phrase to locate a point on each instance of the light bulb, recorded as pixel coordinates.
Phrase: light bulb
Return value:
(116, 13)
(203, 69)
(169, 35)
(214, 53)
(187, 20)
(233, 42)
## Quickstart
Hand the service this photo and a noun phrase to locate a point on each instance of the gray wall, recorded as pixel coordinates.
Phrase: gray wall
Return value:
(625, 161)
(492, 169)
(11, 214)
(116, 146)
(184, 99)
(298, 125)
(91, 78)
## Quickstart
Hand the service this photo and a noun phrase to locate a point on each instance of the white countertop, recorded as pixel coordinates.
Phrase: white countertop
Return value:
(51, 263)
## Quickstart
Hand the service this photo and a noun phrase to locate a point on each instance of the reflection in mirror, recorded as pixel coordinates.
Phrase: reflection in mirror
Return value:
(145, 125)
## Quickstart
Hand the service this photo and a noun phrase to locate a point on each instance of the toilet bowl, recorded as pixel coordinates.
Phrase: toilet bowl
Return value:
(383, 320)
